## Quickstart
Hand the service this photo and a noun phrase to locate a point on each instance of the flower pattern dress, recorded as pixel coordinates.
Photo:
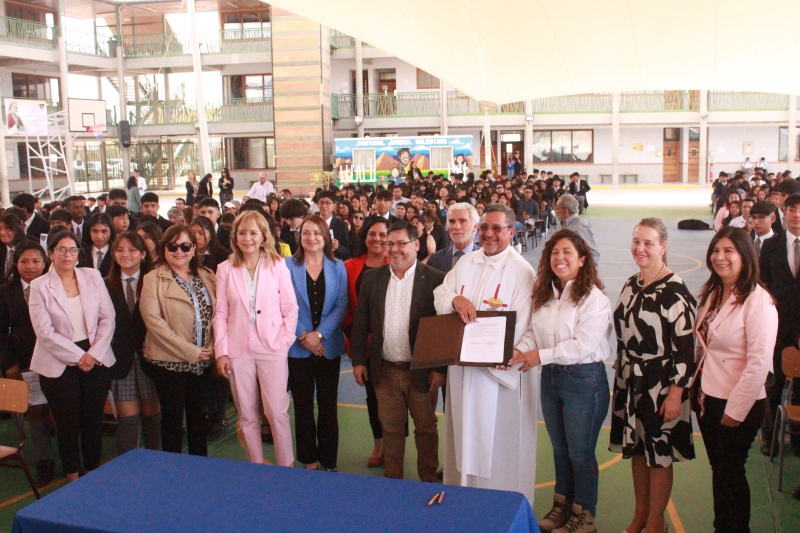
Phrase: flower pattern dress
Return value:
(655, 349)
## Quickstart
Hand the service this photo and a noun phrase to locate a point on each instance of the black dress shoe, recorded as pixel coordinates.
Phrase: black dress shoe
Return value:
(44, 473)
(217, 430)
(766, 447)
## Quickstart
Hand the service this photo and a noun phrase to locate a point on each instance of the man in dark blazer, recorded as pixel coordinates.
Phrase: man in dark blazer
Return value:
(780, 271)
(209, 208)
(392, 300)
(341, 235)
(150, 207)
(35, 225)
(292, 213)
(578, 188)
(462, 225)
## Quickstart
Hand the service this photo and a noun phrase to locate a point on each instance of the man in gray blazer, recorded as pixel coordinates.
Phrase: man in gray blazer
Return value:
(567, 213)
(391, 302)
(462, 224)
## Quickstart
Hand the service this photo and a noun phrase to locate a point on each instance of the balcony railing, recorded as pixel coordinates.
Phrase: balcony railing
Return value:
(180, 112)
(579, 103)
(738, 101)
(27, 33)
(90, 43)
(179, 44)
(654, 101)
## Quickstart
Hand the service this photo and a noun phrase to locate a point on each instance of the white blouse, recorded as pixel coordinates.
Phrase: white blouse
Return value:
(77, 319)
(566, 334)
(252, 288)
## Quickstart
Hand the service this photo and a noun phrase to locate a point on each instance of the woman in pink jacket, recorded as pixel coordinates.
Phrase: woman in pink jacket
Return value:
(736, 326)
(254, 326)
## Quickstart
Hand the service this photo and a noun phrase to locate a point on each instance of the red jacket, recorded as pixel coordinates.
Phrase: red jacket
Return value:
(353, 267)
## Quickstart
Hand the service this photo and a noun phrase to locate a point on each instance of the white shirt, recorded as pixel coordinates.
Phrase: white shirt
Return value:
(76, 228)
(77, 319)
(396, 346)
(260, 191)
(95, 260)
(134, 284)
(28, 222)
(738, 222)
(566, 334)
(141, 184)
(790, 250)
(764, 237)
(252, 287)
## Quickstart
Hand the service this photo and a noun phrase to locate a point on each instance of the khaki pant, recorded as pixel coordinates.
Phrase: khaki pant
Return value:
(397, 396)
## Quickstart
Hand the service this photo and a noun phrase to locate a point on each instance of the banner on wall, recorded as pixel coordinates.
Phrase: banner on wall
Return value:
(380, 159)
(25, 115)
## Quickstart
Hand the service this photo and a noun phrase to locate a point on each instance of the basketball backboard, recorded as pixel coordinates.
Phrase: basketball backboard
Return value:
(87, 116)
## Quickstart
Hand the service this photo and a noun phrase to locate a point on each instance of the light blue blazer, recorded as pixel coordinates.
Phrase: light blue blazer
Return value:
(333, 310)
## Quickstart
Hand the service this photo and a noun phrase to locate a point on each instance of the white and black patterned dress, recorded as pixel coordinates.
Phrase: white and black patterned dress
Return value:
(655, 349)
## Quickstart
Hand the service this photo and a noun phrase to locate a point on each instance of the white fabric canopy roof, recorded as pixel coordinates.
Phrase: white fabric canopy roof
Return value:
(509, 50)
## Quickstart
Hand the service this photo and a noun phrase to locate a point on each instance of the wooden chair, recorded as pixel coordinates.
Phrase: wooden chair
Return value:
(14, 399)
(787, 414)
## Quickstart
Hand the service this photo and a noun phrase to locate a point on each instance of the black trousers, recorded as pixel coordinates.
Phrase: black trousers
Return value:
(179, 393)
(776, 382)
(372, 411)
(727, 450)
(217, 394)
(76, 399)
(316, 441)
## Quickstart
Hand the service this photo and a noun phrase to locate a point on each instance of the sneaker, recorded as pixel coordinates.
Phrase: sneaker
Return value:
(581, 521)
(558, 516)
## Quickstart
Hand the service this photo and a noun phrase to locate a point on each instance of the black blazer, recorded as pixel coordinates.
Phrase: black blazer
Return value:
(163, 223)
(579, 189)
(206, 189)
(3, 252)
(190, 194)
(341, 234)
(128, 335)
(17, 337)
(777, 226)
(440, 259)
(288, 236)
(37, 227)
(214, 258)
(87, 261)
(224, 236)
(785, 288)
(370, 316)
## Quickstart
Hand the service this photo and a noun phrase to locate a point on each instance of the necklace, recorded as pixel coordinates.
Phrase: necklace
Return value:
(639, 277)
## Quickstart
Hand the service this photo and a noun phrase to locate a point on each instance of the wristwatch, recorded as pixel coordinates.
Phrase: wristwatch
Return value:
(320, 336)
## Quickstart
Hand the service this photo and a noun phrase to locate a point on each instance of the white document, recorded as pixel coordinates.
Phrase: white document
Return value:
(35, 394)
(484, 341)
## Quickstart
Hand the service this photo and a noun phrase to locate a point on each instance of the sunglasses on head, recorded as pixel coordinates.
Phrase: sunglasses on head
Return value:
(185, 247)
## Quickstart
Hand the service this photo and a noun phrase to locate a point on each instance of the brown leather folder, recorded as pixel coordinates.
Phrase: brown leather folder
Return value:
(439, 340)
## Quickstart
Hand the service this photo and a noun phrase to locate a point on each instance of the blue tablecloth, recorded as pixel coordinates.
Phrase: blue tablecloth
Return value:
(145, 491)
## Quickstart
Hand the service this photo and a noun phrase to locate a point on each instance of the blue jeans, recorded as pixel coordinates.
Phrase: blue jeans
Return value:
(575, 401)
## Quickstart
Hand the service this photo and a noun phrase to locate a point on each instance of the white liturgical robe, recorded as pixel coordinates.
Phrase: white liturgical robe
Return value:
(490, 415)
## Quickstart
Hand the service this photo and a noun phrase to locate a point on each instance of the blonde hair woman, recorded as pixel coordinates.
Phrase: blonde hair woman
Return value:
(254, 326)
(192, 186)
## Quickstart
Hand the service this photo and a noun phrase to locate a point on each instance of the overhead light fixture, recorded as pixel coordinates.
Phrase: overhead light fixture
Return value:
(528, 118)
(359, 120)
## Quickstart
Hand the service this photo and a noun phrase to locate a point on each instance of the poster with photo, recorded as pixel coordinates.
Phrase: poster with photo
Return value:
(25, 115)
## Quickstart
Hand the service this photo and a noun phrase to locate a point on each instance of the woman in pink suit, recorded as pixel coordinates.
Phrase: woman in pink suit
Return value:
(73, 317)
(737, 325)
(254, 326)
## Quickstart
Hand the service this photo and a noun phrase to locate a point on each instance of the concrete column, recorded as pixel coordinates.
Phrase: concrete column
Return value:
(5, 195)
(443, 105)
(791, 143)
(359, 86)
(64, 73)
(167, 114)
(499, 151)
(123, 108)
(528, 137)
(615, 139)
(702, 172)
(203, 145)
(487, 140)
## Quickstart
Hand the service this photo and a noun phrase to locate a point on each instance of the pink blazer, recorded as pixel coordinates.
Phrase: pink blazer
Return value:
(54, 349)
(738, 355)
(276, 309)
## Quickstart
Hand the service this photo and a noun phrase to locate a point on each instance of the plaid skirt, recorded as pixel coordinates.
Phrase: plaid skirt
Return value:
(136, 385)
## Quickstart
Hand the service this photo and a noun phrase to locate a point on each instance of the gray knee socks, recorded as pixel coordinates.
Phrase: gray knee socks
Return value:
(128, 433)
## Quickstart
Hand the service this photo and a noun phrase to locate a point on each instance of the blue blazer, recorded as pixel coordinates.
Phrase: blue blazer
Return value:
(333, 310)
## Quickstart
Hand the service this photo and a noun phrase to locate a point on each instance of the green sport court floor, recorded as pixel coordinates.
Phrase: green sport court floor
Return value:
(691, 507)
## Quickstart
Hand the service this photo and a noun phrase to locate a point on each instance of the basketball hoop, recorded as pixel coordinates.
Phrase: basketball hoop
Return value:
(97, 128)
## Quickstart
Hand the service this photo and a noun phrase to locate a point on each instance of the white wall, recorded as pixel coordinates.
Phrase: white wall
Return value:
(406, 74)
(727, 144)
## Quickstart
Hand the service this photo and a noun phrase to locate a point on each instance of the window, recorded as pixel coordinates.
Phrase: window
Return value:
(35, 87)
(426, 81)
(783, 146)
(251, 153)
(253, 87)
(29, 12)
(246, 25)
(563, 146)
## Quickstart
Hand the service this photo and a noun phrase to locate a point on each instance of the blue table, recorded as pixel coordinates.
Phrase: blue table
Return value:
(145, 491)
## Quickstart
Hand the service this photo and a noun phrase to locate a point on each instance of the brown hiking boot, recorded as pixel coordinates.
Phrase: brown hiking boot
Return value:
(581, 521)
(558, 515)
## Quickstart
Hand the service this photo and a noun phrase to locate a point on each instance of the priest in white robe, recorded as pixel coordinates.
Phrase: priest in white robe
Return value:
(490, 415)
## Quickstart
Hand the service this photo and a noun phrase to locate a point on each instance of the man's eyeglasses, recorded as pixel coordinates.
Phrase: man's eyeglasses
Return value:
(399, 244)
(185, 247)
(63, 250)
(495, 229)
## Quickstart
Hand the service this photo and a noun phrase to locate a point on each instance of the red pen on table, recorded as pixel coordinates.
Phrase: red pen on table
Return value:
(441, 498)
(435, 497)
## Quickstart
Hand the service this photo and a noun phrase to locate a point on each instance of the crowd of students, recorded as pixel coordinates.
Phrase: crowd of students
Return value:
(176, 315)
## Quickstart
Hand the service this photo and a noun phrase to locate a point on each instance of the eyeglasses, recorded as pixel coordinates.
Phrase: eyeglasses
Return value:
(400, 244)
(758, 217)
(495, 229)
(63, 250)
(185, 247)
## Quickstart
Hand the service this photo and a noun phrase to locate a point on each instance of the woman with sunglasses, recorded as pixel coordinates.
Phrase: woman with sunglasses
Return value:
(356, 224)
(176, 304)
(73, 318)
